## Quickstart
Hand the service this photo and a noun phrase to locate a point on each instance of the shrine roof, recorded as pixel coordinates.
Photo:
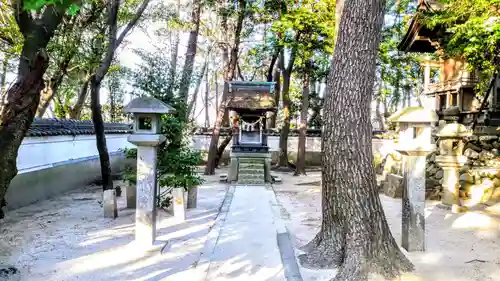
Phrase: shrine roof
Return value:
(251, 95)
(418, 37)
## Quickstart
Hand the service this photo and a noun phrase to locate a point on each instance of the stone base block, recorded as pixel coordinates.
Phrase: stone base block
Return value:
(192, 198)
(131, 195)
(109, 204)
(393, 187)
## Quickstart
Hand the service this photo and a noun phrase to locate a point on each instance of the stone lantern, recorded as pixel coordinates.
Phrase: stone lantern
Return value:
(414, 144)
(450, 158)
(146, 136)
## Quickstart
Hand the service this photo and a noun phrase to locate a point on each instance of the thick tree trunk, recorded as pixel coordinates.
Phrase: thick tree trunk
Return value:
(102, 148)
(16, 118)
(300, 166)
(285, 130)
(187, 72)
(76, 111)
(354, 233)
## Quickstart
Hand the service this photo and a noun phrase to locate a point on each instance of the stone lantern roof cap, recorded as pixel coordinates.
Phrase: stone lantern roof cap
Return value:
(454, 130)
(414, 114)
(147, 104)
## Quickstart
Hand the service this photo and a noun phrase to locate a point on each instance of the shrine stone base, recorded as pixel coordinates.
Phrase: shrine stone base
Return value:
(250, 168)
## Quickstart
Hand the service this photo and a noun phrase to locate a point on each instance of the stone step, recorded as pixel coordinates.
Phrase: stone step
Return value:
(251, 182)
(251, 171)
(251, 166)
(251, 160)
(253, 176)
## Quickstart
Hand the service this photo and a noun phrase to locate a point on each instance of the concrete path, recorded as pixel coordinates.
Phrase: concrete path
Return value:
(243, 245)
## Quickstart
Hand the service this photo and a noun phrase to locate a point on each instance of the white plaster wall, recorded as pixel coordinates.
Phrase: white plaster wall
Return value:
(312, 144)
(38, 153)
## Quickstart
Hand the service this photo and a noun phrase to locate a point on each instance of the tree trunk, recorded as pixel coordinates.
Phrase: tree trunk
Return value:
(378, 114)
(16, 118)
(76, 111)
(222, 147)
(213, 150)
(354, 233)
(54, 84)
(207, 92)
(277, 91)
(173, 56)
(216, 93)
(300, 166)
(196, 90)
(3, 79)
(285, 130)
(228, 75)
(102, 148)
(187, 72)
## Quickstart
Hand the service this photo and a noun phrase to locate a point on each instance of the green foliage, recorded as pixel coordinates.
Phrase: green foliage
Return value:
(177, 163)
(472, 31)
(130, 173)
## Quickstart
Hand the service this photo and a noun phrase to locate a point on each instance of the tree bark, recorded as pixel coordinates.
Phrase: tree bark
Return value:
(277, 91)
(285, 130)
(173, 55)
(23, 97)
(187, 72)
(76, 111)
(3, 79)
(102, 148)
(207, 92)
(228, 75)
(300, 166)
(16, 118)
(54, 84)
(354, 233)
(95, 84)
(192, 102)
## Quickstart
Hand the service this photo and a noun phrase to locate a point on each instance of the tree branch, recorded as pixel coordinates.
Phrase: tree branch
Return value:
(132, 23)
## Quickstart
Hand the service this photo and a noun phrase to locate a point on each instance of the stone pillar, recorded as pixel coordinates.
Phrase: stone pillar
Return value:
(413, 212)
(233, 168)
(109, 204)
(179, 204)
(414, 144)
(145, 214)
(450, 158)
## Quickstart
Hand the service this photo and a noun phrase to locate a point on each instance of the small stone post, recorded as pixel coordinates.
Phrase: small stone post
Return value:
(414, 144)
(147, 115)
(179, 204)
(450, 158)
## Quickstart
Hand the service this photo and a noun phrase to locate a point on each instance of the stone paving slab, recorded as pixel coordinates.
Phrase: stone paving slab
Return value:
(247, 247)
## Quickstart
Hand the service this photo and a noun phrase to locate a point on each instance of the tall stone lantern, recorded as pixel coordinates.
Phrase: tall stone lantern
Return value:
(146, 136)
(415, 124)
(450, 158)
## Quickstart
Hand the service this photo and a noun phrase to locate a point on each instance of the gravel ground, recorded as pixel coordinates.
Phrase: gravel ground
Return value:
(460, 247)
(66, 238)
